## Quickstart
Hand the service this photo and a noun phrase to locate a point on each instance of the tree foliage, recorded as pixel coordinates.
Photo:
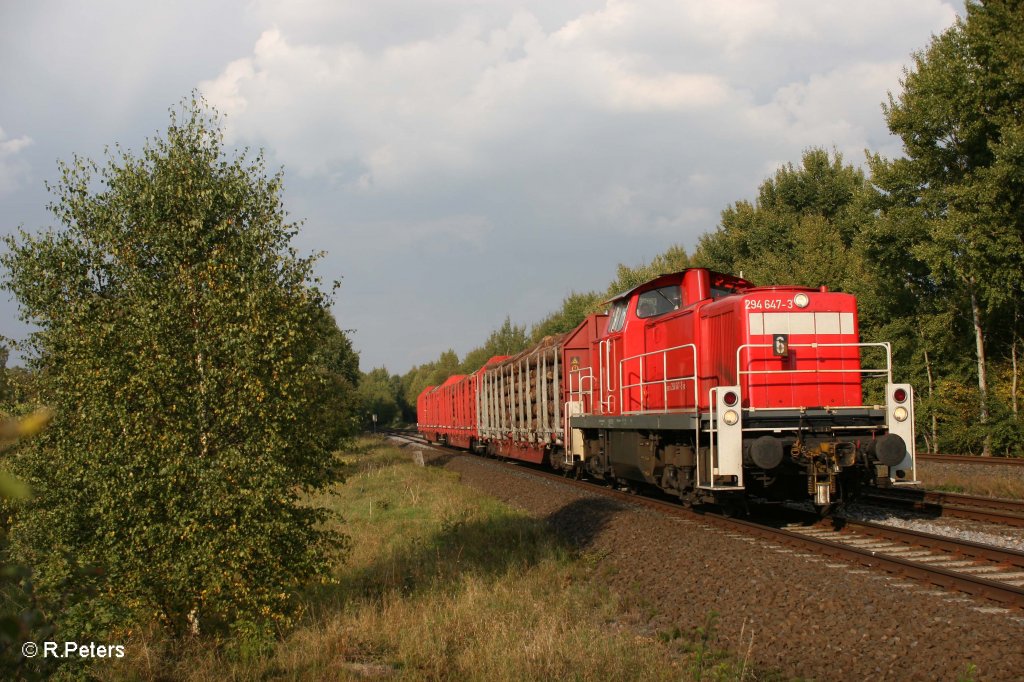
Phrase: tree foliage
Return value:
(380, 395)
(953, 201)
(180, 343)
(339, 410)
(575, 308)
(508, 339)
(801, 228)
(671, 260)
(20, 620)
(5, 384)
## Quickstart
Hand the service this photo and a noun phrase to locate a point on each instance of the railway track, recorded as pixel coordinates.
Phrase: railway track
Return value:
(972, 460)
(955, 505)
(948, 563)
(939, 504)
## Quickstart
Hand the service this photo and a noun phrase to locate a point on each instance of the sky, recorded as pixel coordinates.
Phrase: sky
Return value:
(462, 161)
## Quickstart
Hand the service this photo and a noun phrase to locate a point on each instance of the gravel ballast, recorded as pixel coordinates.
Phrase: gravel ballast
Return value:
(804, 615)
(1007, 537)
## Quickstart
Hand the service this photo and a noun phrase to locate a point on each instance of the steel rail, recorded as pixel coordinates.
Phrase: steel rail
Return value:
(941, 543)
(1007, 594)
(971, 583)
(955, 505)
(971, 459)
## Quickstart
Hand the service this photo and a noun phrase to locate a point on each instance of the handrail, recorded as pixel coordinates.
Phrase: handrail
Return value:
(879, 372)
(664, 381)
(712, 437)
(582, 393)
(605, 358)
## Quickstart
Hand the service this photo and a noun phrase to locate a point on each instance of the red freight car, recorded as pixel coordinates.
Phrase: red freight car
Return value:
(451, 413)
(425, 417)
(520, 403)
(448, 413)
(705, 386)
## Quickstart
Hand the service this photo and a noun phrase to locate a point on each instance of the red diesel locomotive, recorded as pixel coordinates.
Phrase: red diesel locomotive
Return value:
(698, 383)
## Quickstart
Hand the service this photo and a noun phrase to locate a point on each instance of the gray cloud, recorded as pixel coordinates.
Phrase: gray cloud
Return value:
(13, 167)
(464, 160)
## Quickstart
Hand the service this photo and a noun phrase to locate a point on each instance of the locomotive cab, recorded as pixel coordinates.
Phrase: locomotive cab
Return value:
(648, 352)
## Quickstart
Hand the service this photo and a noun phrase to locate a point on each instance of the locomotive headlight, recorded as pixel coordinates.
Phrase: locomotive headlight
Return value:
(900, 414)
(801, 300)
(730, 417)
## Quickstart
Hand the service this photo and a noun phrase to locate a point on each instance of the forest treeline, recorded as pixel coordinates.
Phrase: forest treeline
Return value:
(931, 243)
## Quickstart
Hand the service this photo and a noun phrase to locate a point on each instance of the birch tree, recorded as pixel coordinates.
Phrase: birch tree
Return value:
(178, 345)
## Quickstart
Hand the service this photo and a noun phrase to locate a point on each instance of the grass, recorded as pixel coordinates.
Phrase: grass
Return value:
(981, 483)
(444, 583)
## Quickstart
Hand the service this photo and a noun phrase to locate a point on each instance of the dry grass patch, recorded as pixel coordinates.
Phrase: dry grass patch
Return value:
(444, 583)
(986, 484)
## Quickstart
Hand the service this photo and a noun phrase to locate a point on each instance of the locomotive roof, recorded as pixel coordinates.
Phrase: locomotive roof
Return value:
(660, 280)
(671, 277)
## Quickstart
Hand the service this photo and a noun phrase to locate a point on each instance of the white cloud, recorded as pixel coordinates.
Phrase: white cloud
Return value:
(632, 91)
(423, 107)
(436, 104)
(13, 168)
(839, 108)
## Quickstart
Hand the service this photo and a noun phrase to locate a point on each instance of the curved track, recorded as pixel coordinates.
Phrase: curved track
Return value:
(956, 505)
(989, 572)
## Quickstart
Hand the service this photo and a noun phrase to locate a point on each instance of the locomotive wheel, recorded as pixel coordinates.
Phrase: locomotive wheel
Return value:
(555, 460)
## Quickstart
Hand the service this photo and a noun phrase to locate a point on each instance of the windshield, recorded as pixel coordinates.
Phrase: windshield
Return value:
(658, 301)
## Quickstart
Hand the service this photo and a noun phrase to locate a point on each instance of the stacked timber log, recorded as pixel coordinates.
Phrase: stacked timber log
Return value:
(520, 398)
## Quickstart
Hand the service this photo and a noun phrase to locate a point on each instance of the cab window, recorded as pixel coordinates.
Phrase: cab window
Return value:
(658, 301)
(721, 291)
(617, 316)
